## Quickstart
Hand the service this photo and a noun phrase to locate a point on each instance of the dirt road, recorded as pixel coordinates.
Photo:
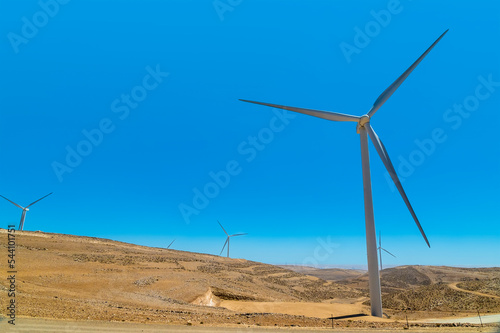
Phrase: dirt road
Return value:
(26, 325)
(454, 286)
(471, 320)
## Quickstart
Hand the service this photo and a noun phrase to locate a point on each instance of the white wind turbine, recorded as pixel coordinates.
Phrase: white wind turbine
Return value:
(168, 247)
(25, 209)
(227, 239)
(380, 249)
(363, 128)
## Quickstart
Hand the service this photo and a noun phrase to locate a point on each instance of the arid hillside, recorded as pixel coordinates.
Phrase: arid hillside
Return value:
(63, 276)
(424, 288)
(71, 277)
(328, 274)
(410, 277)
(436, 288)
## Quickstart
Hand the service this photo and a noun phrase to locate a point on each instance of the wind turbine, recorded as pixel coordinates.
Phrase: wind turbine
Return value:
(364, 128)
(227, 239)
(168, 247)
(25, 209)
(380, 249)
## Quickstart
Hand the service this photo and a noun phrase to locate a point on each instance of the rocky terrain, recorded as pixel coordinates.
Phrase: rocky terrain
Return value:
(485, 286)
(440, 297)
(63, 276)
(406, 277)
(436, 288)
(83, 278)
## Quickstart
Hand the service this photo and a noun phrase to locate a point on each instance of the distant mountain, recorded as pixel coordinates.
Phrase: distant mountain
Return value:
(328, 274)
(405, 277)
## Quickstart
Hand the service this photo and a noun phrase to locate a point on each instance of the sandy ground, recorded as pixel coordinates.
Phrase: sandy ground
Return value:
(28, 325)
(94, 285)
(318, 310)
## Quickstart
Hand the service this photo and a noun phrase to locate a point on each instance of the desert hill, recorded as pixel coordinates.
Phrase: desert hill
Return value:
(404, 277)
(328, 274)
(72, 277)
(409, 277)
(64, 276)
(424, 288)
(436, 288)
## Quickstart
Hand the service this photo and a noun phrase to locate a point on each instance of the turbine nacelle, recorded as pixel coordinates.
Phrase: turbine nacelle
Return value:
(363, 120)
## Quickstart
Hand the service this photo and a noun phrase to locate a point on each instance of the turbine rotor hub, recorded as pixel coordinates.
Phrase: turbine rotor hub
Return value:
(363, 120)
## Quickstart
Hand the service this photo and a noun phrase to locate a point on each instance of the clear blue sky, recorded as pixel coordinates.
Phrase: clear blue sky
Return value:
(156, 85)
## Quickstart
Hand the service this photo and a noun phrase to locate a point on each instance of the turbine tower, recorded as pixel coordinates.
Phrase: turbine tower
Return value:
(227, 239)
(380, 249)
(25, 209)
(364, 129)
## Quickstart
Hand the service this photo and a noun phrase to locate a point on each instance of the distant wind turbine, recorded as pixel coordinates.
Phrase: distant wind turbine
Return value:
(380, 249)
(25, 209)
(364, 128)
(227, 239)
(168, 247)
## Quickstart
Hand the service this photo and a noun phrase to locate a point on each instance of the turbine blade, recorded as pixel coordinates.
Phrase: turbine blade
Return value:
(227, 239)
(388, 252)
(21, 224)
(382, 152)
(223, 229)
(395, 85)
(238, 235)
(11, 202)
(34, 202)
(170, 244)
(315, 113)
